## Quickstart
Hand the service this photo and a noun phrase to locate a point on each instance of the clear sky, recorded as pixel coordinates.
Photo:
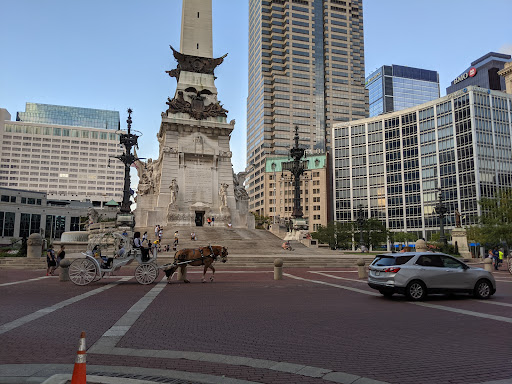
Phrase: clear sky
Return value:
(114, 54)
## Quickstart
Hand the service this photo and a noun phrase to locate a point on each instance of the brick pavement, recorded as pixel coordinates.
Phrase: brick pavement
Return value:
(251, 315)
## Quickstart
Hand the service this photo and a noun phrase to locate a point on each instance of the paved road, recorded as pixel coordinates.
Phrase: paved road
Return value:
(314, 326)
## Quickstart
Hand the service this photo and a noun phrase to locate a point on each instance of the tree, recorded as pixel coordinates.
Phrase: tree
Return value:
(336, 234)
(495, 223)
(374, 233)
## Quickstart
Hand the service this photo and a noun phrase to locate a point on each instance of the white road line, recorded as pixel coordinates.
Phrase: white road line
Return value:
(25, 281)
(45, 311)
(503, 281)
(339, 277)
(434, 306)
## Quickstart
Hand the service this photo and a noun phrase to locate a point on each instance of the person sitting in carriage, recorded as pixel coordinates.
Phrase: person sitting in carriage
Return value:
(137, 243)
(104, 261)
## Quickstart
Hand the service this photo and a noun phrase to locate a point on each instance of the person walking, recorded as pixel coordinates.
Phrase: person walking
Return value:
(157, 229)
(145, 236)
(175, 240)
(60, 256)
(160, 233)
(213, 221)
(209, 221)
(496, 255)
(50, 260)
(500, 257)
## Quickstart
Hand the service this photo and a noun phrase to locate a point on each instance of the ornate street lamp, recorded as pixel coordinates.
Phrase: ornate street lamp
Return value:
(129, 140)
(441, 210)
(297, 167)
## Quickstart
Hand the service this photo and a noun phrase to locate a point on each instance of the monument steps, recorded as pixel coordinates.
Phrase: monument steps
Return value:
(22, 262)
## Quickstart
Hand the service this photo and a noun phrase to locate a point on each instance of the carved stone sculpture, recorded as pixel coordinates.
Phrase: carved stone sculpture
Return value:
(196, 64)
(93, 214)
(238, 184)
(174, 191)
(457, 219)
(223, 194)
(196, 108)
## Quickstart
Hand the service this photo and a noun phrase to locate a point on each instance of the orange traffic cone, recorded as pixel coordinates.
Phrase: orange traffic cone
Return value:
(79, 371)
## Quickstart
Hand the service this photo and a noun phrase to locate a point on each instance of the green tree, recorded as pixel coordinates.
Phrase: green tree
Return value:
(495, 223)
(374, 233)
(336, 234)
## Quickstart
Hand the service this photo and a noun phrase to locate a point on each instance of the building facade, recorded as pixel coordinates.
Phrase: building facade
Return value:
(66, 152)
(25, 212)
(483, 72)
(279, 189)
(394, 164)
(395, 87)
(306, 68)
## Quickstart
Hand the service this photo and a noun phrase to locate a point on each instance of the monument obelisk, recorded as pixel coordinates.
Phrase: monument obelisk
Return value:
(192, 179)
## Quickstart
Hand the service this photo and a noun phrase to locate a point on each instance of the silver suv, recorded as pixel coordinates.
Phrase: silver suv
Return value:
(417, 274)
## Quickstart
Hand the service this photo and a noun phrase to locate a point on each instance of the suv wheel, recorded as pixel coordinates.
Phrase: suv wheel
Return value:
(483, 289)
(416, 290)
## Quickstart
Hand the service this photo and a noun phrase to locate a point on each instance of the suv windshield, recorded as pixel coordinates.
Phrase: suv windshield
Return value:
(384, 260)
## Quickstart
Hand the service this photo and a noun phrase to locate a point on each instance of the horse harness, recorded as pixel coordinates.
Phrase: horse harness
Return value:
(212, 255)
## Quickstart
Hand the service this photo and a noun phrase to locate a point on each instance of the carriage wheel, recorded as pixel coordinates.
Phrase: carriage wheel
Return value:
(146, 273)
(82, 271)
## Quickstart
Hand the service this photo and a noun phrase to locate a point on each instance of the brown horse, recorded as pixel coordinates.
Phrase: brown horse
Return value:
(201, 256)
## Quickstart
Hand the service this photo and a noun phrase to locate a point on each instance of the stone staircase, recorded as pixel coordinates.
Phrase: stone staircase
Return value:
(22, 263)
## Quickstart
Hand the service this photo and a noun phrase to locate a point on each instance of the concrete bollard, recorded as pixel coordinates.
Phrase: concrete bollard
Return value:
(488, 264)
(182, 276)
(34, 244)
(278, 269)
(361, 270)
(64, 270)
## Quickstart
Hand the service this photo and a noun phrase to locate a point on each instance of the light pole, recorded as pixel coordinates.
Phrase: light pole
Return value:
(296, 166)
(360, 222)
(275, 197)
(441, 212)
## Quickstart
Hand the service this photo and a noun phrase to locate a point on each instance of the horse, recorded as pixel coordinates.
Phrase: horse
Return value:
(201, 256)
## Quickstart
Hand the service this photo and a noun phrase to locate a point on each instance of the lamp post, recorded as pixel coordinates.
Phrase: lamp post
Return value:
(360, 223)
(296, 167)
(441, 212)
(129, 140)
(275, 197)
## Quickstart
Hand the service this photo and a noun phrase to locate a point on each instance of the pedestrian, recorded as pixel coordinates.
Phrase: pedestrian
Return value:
(496, 255)
(175, 246)
(157, 229)
(192, 236)
(500, 257)
(160, 233)
(60, 256)
(50, 260)
(209, 221)
(213, 221)
(145, 236)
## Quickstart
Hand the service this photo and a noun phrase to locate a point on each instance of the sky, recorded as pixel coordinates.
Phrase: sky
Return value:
(113, 54)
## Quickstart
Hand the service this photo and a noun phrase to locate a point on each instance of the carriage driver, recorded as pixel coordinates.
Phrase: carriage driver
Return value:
(137, 243)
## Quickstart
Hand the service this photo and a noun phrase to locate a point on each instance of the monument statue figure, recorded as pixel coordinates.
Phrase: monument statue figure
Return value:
(223, 193)
(174, 191)
(457, 219)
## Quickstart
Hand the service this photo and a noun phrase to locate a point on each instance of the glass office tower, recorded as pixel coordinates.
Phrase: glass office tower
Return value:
(393, 164)
(73, 116)
(306, 68)
(395, 87)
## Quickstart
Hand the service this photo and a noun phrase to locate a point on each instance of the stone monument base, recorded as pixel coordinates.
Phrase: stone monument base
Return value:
(460, 239)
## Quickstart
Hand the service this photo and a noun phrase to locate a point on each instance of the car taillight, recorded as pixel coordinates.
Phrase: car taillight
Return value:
(392, 269)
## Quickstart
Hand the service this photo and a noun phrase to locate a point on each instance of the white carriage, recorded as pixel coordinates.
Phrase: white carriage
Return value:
(92, 267)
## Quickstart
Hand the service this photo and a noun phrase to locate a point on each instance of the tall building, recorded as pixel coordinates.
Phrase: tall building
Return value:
(395, 87)
(483, 72)
(393, 164)
(65, 152)
(306, 68)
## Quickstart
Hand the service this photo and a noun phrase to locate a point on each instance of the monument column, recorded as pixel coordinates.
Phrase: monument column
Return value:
(196, 28)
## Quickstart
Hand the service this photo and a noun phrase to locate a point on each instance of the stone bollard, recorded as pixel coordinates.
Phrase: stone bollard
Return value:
(278, 269)
(488, 264)
(34, 244)
(361, 270)
(182, 276)
(64, 270)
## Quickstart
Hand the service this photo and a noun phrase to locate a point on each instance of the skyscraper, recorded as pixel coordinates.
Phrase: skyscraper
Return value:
(306, 68)
(395, 87)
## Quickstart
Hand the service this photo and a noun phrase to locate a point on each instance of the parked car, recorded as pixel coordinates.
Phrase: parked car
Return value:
(416, 274)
